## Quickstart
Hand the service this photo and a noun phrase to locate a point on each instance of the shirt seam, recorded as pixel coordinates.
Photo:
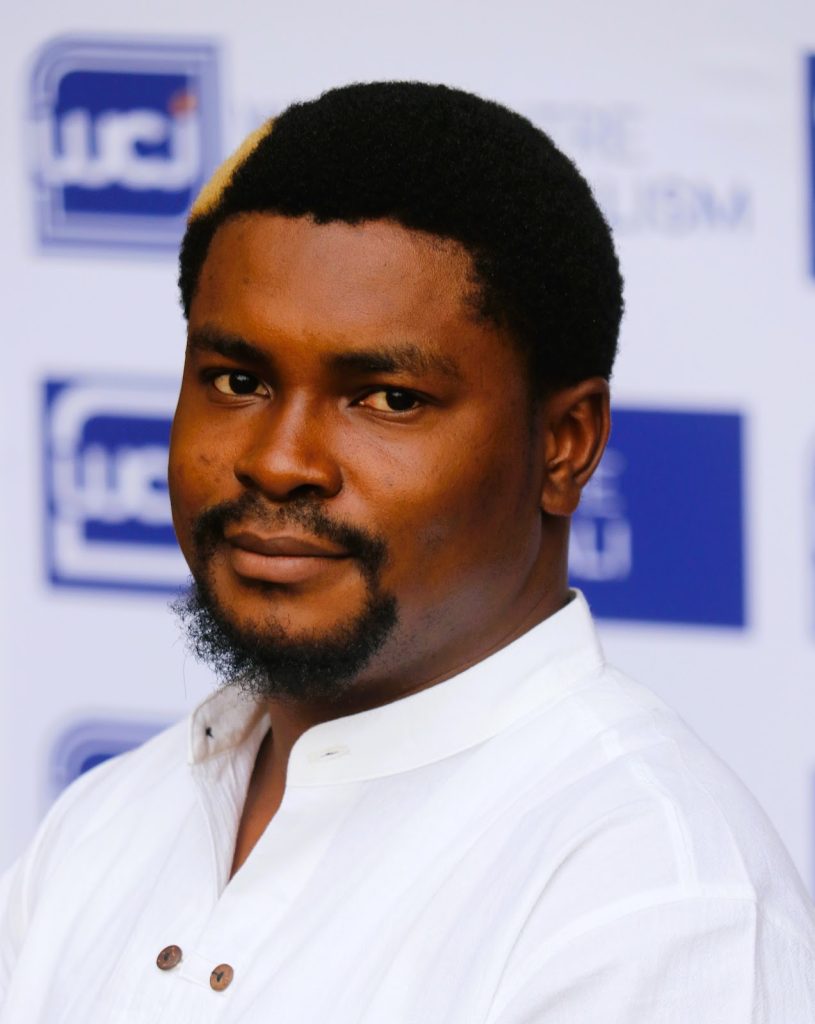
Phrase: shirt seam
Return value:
(610, 737)
(682, 847)
(666, 738)
(705, 789)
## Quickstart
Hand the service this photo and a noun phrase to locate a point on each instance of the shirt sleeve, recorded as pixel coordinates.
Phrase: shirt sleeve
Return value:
(10, 924)
(75, 810)
(705, 961)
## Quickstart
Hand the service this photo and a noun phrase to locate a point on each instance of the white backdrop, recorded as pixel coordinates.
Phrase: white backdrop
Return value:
(692, 121)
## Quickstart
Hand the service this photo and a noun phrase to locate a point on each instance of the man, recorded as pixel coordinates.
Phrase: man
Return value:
(421, 796)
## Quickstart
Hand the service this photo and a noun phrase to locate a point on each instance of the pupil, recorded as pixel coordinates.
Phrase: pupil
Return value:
(242, 383)
(399, 401)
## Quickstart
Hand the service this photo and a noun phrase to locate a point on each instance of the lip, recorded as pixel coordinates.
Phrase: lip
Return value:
(281, 559)
(284, 546)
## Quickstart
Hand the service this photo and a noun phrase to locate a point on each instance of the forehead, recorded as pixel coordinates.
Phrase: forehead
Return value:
(291, 275)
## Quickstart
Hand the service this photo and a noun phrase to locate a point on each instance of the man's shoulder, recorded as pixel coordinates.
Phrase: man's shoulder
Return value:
(630, 754)
(638, 807)
(118, 787)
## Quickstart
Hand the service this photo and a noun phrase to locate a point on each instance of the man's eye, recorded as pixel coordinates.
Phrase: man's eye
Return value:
(238, 383)
(390, 400)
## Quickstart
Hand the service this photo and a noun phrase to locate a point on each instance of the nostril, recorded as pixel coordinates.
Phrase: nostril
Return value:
(282, 479)
(306, 491)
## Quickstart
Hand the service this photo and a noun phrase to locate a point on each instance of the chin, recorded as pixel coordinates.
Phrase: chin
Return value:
(261, 608)
(282, 645)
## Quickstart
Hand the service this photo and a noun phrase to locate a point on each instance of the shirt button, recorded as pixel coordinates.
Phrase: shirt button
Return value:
(169, 958)
(221, 977)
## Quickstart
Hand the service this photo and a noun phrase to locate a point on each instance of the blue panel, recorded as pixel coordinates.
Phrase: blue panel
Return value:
(89, 742)
(108, 521)
(126, 133)
(659, 536)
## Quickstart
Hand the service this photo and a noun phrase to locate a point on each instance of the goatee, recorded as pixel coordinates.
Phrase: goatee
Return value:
(264, 660)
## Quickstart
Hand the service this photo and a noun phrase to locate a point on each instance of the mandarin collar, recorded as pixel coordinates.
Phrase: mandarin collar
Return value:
(515, 682)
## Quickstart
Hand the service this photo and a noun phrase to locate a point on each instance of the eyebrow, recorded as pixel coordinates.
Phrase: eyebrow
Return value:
(231, 346)
(400, 357)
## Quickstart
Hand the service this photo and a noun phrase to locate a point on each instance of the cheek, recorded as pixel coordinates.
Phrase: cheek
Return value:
(466, 512)
(196, 478)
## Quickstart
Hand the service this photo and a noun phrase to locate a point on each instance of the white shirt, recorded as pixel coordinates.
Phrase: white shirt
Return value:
(537, 840)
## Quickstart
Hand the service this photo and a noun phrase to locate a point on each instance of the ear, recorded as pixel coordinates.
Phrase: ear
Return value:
(576, 421)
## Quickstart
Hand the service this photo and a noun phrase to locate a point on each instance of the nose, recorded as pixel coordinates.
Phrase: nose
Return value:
(288, 454)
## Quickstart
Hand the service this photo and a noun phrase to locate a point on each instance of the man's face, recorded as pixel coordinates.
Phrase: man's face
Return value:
(353, 457)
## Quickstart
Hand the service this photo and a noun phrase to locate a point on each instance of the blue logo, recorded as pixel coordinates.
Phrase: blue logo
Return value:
(125, 134)
(658, 536)
(87, 743)
(108, 521)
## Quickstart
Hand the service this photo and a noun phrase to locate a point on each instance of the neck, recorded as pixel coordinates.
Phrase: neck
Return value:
(290, 719)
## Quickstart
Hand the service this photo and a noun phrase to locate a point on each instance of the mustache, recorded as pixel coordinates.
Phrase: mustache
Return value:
(209, 526)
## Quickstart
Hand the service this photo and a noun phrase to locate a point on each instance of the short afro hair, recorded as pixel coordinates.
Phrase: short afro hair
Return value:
(442, 161)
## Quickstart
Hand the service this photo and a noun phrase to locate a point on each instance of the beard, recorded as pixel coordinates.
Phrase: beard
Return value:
(264, 660)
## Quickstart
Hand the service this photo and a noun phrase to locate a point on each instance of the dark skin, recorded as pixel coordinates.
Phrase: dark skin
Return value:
(425, 437)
